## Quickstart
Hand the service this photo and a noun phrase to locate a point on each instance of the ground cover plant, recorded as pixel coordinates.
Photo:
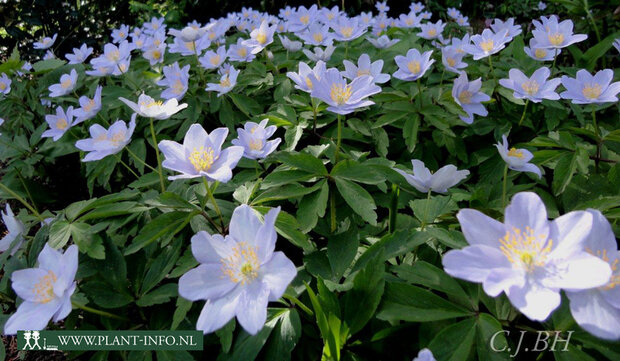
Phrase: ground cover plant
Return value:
(319, 184)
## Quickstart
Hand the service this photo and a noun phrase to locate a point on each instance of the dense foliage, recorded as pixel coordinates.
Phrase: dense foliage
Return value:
(377, 256)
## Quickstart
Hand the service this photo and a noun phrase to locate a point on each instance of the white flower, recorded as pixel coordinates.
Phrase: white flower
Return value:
(517, 159)
(66, 85)
(424, 181)
(150, 108)
(14, 228)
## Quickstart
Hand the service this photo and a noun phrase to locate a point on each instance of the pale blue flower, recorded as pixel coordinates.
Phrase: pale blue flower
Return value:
(541, 6)
(327, 15)
(527, 257)
(416, 7)
(452, 59)
(79, 55)
(453, 13)
(597, 310)
(535, 88)
(431, 30)
(540, 54)
(213, 59)
(59, 124)
(14, 231)
(317, 35)
(517, 159)
(239, 274)
(112, 55)
(463, 20)
(66, 85)
(290, 45)
(340, 96)
(302, 18)
(155, 54)
(382, 7)
(512, 30)
(302, 79)
(365, 67)
(554, 34)
(49, 55)
(226, 84)
(587, 88)
(414, 65)
(260, 37)
(176, 80)
(153, 26)
(382, 42)
(459, 44)
(46, 290)
(104, 142)
(156, 109)
(320, 54)
(188, 48)
(201, 155)
(5, 84)
(424, 181)
(426, 15)
(467, 94)
(487, 43)
(410, 20)
(347, 29)
(425, 355)
(45, 42)
(120, 34)
(190, 33)
(254, 139)
(88, 107)
(617, 44)
(240, 52)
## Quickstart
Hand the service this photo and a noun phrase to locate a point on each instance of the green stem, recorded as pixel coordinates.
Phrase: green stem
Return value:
(339, 137)
(504, 186)
(313, 113)
(555, 56)
(332, 209)
(394, 208)
(22, 201)
(23, 181)
(420, 94)
(599, 140)
(98, 312)
(161, 173)
(139, 159)
(300, 304)
(126, 166)
(492, 73)
(428, 200)
(346, 49)
(524, 110)
(217, 208)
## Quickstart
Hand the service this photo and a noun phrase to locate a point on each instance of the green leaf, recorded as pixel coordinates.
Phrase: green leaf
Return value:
(394, 244)
(357, 172)
(403, 302)
(487, 329)
(47, 65)
(313, 206)
(563, 172)
(183, 306)
(284, 337)
(247, 105)
(303, 161)
(361, 302)
(160, 295)
(427, 210)
(358, 199)
(60, 232)
(165, 225)
(287, 191)
(341, 250)
(454, 343)
(104, 296)
(424, 273)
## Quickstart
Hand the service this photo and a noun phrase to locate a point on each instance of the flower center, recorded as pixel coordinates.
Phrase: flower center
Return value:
(202, 159)
(465, 97)
(451, 61)
(525, 248)
(156, 54)
(225, 82)
(155, 103)
(114, 55)
(118, 138)
(432, 32)
(409, 21)
(340, 93)
(2, 86)
(242, 51)
(514, 152)
(242, 266)
(178, 87)
(540, 53)
(190, 45)
(530, 87)
(90, 105)
(308, 82)
(318, 37)
(556, 39)
(261, 38)
(61, 123)
(414, 66)
(346, 31)
(487, 45)
(44, 289)
(66, 83)
(215, 59)
(256, 144)
(361, 72)
(592, 91)
(304, 19)
(121, 35)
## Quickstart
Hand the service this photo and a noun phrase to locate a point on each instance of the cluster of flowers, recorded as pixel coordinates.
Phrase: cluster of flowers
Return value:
(527, 257)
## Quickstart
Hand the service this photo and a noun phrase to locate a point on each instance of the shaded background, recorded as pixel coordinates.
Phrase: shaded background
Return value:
(90, 21)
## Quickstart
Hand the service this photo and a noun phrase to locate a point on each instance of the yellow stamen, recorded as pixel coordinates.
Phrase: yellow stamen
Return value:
(242, 266)
(261, 38)
(540, 53)
(361, 72)
(215, 59)
(525, 249)
(202, 159)
(451, 61)
(514, 152)
(432, 32)
(66, 83)
(465, 97)
(225, 82)
(61, 123)
(242, 52)
(340, 93)
(44, 289)
(414, 66)
(304, 19)
(346, 31)
(556, 39)
(592, 91)
(256, 144)
(318, 37)
(487, 46)
(530, 87)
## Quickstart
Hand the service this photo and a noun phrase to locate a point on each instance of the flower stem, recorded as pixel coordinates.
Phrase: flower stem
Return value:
(555, 56)
(217, 208)
(504, 186)
(339, 137)
(420, 94)
(428, 200)
(161, 174)
(394, 208)
(126, 166)
(300, 304)
(524, 110)
(313, 113)
(139, 159)
(22, 201)
(98, 312)
(332, 209)
(492, 73)
(598, 140)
